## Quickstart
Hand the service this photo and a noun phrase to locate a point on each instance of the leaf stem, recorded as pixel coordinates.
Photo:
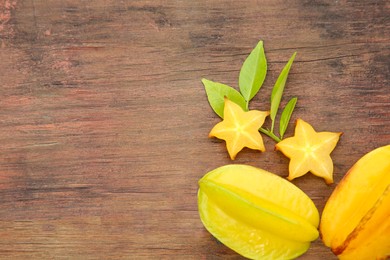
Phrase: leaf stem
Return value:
(272, 126)
(270, 134)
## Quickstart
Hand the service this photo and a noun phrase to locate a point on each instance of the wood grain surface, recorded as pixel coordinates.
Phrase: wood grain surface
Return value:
(104, 120)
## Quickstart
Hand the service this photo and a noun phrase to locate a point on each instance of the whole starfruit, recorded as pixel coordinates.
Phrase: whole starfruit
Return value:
(355, 222)
(256, 213)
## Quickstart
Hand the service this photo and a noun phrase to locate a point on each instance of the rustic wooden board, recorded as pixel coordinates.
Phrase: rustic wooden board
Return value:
(104, 120)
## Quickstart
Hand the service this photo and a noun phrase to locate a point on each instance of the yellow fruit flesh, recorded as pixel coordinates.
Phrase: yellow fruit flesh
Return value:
(355, 219)
(240, 128)
(309, 151)
(256, 213)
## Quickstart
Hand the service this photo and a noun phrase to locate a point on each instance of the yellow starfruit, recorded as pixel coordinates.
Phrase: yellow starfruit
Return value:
(309, 151)
(355, 222)
(240, 128)
(256, 213)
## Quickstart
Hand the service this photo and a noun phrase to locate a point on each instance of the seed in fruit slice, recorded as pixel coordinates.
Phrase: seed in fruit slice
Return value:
(356, 219)
(256, 213)
(309, 151)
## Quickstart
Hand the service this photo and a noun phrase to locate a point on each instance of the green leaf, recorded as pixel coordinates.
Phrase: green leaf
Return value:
(286, 115)
(253, 72)
(216, 92)
(278, 89)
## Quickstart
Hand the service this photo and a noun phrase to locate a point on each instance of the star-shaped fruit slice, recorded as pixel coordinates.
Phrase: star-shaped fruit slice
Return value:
(309, 151)
(240, 128)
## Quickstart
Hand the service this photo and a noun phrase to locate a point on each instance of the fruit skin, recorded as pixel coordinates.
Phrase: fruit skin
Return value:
(256, 213)
(355, 222)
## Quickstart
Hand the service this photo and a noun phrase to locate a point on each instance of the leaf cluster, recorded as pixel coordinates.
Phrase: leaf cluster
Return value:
(251, 79)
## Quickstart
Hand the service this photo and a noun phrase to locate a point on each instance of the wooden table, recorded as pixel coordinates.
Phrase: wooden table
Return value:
(104, 120)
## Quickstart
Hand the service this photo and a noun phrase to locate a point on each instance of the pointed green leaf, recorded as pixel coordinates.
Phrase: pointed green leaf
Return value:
(278, 89)
(253, 72)
(286, 115)
(216, 92)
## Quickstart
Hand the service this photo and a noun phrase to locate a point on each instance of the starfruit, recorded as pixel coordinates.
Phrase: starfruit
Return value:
(355, 222)
(240, 128)
(256, 213)
(309, 151)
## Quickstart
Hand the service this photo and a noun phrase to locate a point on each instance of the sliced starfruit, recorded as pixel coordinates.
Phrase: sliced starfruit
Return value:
(240, 128)
(355, 222)
(309, 151)
(256, 213)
